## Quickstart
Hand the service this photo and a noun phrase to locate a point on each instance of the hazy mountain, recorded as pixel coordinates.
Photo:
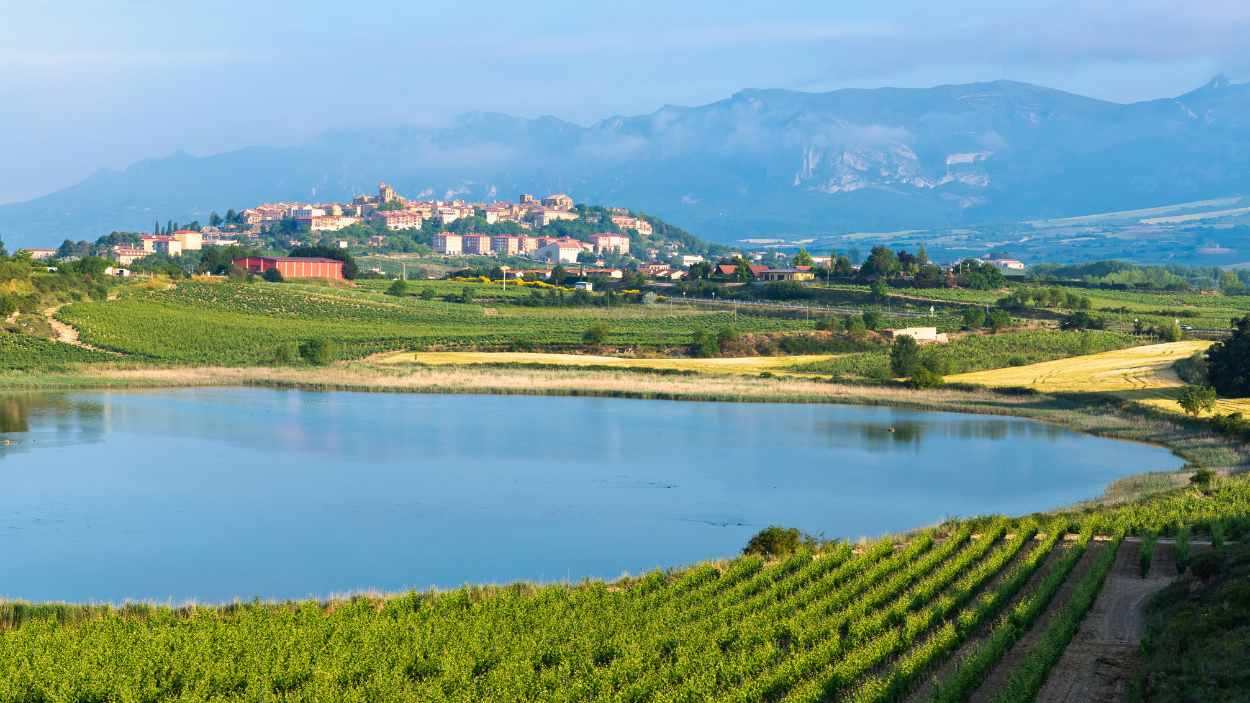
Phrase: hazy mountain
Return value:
(761, 162)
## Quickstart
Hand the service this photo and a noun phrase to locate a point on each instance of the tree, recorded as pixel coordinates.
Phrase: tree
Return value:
(273, 276)
(214, 219)
(843, 266)
(1081, 320)
(802, 258)
(596, 333)
(973, 318)
(922, 257)
(1228, 362)
(880, 291)
(2, 250)
(882, 263)
(904, 356)
(726, 338)
(699, 270)
(1196, 400)
(399, 289)
(872, 319)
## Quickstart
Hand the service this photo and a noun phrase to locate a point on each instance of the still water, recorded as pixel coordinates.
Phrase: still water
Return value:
(216, 494)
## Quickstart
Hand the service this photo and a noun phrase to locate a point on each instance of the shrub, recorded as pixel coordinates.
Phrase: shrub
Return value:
(703, 344)
(973, 318)
(318, 352)
(1195, 400)
(774, 541)
(286, 353)
(1206, 565)
(997, 320)
(273, 276)
(398, 289)
(872, 319)
(596, 333)
(1192, 369)
(1182, 550)
(725, 338)
(426, 294)
(923, 378)
(1202, 478)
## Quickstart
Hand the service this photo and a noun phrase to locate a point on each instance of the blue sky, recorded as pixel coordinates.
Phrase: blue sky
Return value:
(87, 84)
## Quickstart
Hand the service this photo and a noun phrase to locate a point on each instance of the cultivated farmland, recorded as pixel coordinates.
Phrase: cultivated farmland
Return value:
(238, 324)
(1142, 374)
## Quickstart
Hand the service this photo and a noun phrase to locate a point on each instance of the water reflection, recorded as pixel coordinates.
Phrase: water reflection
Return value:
(217, 493)
(28, 420)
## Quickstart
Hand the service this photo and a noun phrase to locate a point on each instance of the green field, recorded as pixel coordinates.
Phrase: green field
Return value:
(238, 324)
(980, 351)
(834, 623)
(1119, 308)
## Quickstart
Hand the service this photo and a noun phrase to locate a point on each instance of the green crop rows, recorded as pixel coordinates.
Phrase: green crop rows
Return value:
(869, 624)
(235, 324)
(20, 352)
(980, 352)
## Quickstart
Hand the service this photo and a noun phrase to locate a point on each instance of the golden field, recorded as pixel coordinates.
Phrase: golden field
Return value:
(1143, 374)
(750, 366)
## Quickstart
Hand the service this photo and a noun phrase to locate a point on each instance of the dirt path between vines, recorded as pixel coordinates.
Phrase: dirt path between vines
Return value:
(68, 334)
(1001, 673)
(926, 691)
(1101, 659)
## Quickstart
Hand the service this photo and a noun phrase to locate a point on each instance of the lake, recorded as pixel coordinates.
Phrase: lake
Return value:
(217, 494)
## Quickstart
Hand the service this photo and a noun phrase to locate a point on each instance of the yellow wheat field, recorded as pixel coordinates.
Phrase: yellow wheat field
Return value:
(1143, 374)
(751, 366)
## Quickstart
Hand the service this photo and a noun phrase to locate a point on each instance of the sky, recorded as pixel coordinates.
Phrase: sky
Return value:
(90, 84)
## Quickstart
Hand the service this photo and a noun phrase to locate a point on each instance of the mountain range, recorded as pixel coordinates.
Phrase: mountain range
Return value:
(758, 164)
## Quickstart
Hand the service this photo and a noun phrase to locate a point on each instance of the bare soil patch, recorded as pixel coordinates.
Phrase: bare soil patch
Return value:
(1003, 670)
(1100, 662)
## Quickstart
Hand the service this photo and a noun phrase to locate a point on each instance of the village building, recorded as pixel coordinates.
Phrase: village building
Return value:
(505, 244)
(797, 273)
(558, 201)
(476, 244)
(561, 251)
(543, 216)
(397, 219)
(293, 266)
(126, 256)
(38, 254)
(448, 244)
(637, 224)
(608, 243)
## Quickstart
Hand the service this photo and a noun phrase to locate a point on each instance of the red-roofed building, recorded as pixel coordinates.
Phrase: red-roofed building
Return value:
(293, 266)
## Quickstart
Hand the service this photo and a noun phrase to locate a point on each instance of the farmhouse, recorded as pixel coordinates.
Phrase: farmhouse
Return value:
(293, 266)
(798, 273)
(923, 335)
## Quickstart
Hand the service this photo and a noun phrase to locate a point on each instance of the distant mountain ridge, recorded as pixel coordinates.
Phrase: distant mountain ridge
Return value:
(759, 163)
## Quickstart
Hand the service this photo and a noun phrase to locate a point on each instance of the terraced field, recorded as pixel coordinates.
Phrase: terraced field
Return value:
(1143, 374)
(973, 610)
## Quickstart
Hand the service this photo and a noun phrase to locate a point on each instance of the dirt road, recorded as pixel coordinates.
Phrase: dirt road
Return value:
(1100, 661)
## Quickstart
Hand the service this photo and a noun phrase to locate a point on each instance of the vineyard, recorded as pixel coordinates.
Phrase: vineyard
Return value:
(215, 323)
(19, 352)
(1119, 308)
(977, 352)
(930, 616)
